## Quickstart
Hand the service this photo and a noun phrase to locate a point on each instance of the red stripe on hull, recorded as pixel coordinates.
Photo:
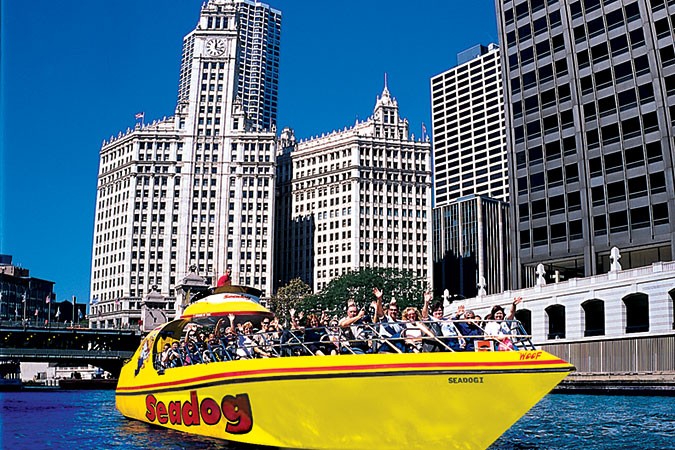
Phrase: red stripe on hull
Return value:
(343, 368)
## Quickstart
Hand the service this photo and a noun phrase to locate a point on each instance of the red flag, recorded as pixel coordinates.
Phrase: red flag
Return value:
(48, 299)
(140, 115)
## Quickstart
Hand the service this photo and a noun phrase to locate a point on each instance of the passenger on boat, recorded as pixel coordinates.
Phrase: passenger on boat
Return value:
(445, 333)
(389, 326)
(244, 343)
(212, 352)
(192, 354)
(316, 337)
(468, 328)
(293, 339)
(165, 355)
(247, 341)
(174, 358)
(499, 325)
(229, 343)
(267, 337)
(352, 329)
(413, 330)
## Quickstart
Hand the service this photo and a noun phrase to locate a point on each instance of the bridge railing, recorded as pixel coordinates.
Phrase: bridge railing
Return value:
(31, 353)
(36, 324)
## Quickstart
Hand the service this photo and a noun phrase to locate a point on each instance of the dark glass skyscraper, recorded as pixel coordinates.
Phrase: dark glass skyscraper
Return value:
(590, 106)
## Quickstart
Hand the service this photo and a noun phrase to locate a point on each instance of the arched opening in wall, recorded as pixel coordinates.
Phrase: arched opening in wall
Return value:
(671, 293)
(637, 313)
(556, 321)
(525, 317)
(594, 317)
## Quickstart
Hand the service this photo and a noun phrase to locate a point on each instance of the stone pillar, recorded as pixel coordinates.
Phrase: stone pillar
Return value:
(154, 310)
(188, 287)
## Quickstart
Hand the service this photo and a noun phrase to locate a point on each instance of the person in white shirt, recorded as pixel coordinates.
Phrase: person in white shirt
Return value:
(498, 325)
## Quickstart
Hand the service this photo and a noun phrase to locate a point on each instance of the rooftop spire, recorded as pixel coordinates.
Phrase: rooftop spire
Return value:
(386, 85)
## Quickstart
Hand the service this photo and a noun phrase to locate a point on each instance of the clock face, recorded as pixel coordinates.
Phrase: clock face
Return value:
(215, 47)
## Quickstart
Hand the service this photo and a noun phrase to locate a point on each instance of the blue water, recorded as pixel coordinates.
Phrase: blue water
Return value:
(88, 420)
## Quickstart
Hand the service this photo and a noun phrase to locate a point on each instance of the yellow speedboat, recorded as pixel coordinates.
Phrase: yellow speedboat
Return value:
(347, 401)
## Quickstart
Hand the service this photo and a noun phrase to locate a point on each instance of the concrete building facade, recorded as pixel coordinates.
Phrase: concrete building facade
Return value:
(23, 297)
(620, 321)
(590, 102)
(360, 197)
(468, 128)
(196, 188)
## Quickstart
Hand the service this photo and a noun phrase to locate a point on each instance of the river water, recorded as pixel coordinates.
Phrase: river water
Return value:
(87, 420)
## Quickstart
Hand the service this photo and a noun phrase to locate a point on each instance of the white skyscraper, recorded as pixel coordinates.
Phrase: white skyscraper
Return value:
(471, 176)
(354, 198)
(196, 189)
(470, 154)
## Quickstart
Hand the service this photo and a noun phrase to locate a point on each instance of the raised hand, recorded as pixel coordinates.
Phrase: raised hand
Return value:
(428, 296)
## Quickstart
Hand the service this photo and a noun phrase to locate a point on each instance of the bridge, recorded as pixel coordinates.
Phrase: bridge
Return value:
(68, 346)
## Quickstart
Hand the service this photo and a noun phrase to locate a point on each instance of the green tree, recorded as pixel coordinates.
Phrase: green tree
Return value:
(289, 297)
(358, 285)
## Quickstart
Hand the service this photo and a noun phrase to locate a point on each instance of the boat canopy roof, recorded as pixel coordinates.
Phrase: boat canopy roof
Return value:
(225, 300)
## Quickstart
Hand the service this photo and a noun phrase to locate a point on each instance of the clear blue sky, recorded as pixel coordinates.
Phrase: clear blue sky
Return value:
(75, 73)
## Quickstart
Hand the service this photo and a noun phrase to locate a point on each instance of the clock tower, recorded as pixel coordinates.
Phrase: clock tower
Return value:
(226, 96)
(196, 189)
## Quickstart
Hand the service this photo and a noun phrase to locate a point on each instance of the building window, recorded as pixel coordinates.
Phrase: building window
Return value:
(637, 313)
(594, 317)
(555, 315)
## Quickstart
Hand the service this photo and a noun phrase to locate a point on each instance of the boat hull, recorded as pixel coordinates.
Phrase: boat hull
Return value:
(442, 400)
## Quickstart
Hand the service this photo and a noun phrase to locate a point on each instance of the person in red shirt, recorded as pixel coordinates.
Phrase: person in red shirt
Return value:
(226, 279)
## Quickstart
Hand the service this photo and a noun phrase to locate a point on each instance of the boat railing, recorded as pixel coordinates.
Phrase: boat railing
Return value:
(379, 337)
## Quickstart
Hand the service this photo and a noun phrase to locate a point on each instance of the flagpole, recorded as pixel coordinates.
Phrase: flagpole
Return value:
(49, 312)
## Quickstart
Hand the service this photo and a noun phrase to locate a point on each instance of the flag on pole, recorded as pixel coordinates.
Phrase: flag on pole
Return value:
(58, 312)
(79, 314)
(23, 298)
(140, 115)
(48, 299)
(424, 131)
(36, 312)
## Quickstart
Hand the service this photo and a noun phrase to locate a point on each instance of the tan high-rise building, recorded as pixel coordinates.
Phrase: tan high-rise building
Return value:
(354, 198)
